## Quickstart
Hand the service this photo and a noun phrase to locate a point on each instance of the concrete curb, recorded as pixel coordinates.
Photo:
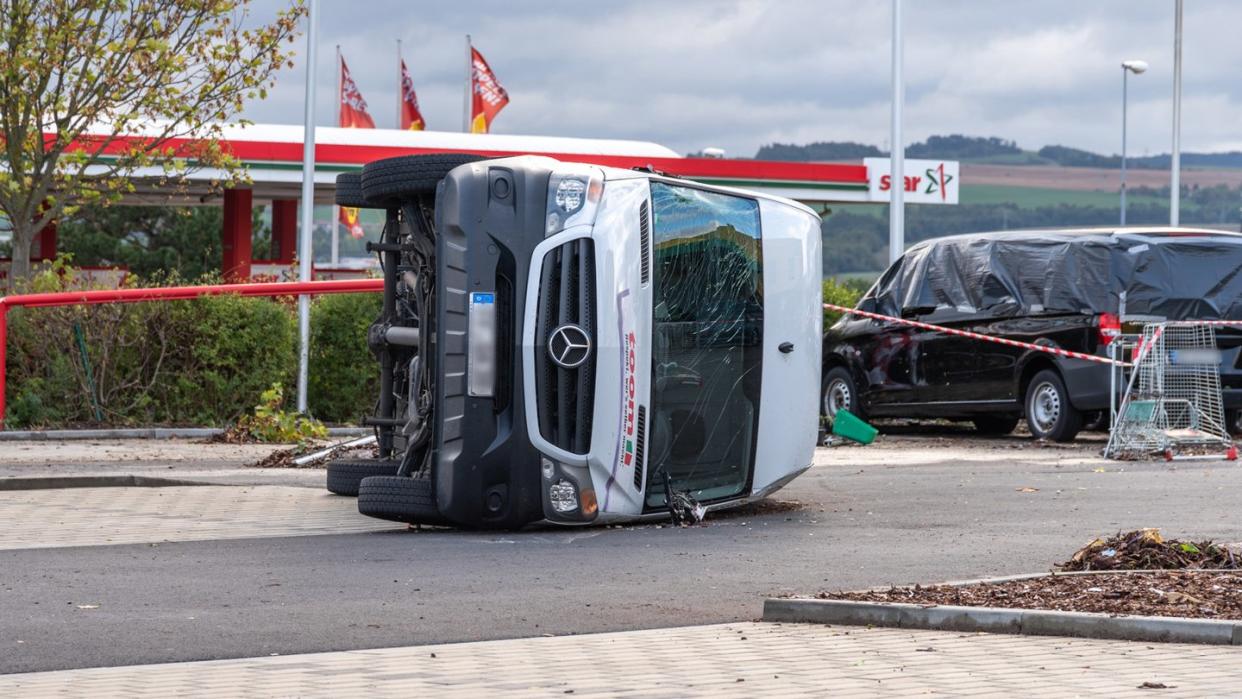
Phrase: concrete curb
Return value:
(1033, 622)
(146, 433)
(113, 481)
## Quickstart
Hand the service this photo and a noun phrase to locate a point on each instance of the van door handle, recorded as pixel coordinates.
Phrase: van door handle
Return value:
(785, 347)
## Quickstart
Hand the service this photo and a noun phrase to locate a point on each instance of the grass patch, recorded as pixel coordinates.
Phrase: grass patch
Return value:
(1034, 197)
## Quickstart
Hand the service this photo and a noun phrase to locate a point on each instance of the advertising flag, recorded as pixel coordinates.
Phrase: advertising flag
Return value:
(349, 219)
(487, 95)
(411, 117)
(353, 114)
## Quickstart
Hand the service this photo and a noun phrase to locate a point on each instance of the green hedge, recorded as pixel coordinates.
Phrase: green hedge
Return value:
(200, 362)
(344, 376)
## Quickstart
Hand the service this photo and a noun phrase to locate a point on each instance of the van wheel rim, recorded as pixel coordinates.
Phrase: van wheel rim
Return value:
(837, 397)
(1045, 407)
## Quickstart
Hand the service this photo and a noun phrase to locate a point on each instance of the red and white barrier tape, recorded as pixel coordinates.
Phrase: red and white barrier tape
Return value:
(1205, 322)
(978, 336)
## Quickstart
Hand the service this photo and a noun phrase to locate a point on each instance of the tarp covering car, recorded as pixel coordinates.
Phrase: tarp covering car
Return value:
(1176, 274)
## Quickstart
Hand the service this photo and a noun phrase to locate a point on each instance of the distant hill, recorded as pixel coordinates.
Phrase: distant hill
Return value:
(952, 147)
(822, 151)
(959, 147)
(991, 150)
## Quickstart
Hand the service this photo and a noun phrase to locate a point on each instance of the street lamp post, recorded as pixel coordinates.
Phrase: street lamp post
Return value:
(1127, 67)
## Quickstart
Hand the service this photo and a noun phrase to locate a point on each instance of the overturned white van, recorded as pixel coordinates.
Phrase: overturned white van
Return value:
(577, 344)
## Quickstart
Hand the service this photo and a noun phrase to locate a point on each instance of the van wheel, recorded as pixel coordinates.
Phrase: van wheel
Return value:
(344, 475)
(399, 499)
(349, 191)
(394, 180)
(993, 425)
(1049, 413)
(840, 393)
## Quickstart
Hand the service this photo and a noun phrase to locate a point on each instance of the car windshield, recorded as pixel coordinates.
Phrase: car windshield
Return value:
(707, 324)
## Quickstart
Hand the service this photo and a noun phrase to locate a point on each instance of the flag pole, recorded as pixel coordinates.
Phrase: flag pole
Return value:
(1175, 164)
(308, 206)
(897, 151)
(336, 210)
(400, 86)
(465, 110)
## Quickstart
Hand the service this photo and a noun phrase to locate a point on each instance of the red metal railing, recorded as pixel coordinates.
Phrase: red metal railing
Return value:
(170, 293)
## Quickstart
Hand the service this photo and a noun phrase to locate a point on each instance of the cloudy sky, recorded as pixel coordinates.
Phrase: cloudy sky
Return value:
(741, 73)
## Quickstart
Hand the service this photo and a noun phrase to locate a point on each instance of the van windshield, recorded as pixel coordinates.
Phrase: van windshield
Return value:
(707, 325)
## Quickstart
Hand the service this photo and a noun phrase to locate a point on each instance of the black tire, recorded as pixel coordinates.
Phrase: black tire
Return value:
(344, 475)
(839, 391)
(349, 191)
(1049, 414)
(1231, 422)
(393, 180)
(995, 425)
(399, 499)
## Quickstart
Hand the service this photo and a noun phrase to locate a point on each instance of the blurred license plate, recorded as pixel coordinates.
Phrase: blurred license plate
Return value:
(481, 345)
(1194, 356)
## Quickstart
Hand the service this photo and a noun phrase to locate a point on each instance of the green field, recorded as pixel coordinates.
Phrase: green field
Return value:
(1032, 197)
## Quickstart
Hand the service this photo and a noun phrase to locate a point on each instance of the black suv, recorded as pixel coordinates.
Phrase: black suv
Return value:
(1070, 289)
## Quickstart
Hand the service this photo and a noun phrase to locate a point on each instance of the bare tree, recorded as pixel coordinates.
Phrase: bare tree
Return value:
(95, 92)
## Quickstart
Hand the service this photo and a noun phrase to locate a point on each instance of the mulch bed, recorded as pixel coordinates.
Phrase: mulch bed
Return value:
(283, 458)
(1197, 594)
(1145, 549)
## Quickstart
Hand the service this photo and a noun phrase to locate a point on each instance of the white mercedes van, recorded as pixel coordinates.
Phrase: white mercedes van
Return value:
(577, 344)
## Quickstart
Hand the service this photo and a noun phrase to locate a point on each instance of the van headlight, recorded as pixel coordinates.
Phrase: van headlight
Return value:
(563, 496)
(574, 192)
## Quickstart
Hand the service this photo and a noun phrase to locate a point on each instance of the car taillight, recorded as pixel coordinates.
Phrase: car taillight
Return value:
(1110, 328)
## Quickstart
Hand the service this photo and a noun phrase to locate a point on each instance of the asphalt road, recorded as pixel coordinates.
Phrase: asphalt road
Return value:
(915, 509)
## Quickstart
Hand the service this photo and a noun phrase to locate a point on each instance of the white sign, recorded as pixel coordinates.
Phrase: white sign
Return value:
(927, 181)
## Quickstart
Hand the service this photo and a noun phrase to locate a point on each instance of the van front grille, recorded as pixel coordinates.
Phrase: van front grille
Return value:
(565, 389)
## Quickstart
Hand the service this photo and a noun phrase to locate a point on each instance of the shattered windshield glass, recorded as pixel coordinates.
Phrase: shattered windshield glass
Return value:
(707, 324)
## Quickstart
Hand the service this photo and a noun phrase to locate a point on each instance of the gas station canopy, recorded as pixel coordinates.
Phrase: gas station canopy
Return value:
(273, 158)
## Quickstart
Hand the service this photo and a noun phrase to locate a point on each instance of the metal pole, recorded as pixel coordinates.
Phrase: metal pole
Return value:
(465, 109)
(1175, 183)
(306, 238)
(1125, 74)
(897, 158)
(335, 246)
(400, 87)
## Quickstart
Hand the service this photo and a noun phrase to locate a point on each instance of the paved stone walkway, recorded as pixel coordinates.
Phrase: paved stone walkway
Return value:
(101, 516)
(741, 660)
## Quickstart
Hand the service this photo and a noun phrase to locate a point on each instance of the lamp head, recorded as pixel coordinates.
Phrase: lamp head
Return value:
(1134, 66)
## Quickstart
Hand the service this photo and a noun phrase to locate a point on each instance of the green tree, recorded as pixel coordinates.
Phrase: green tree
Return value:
(94, 91)
(154, 241)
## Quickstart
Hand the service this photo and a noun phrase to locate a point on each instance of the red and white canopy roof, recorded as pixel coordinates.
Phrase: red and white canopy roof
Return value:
(273, 156)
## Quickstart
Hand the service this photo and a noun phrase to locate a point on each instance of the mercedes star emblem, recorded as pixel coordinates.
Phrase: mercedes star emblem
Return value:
(569, 346)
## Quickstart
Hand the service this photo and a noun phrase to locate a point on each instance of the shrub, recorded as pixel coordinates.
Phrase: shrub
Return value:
(344, 376)
(840, 294)
(184, 362)
(270, 422)
(224, 351)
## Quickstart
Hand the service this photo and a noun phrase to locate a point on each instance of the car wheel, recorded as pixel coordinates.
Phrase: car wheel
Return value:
(840, 393)
(344, 475)
(1049, 414)
(993, 425)
(399, 499)
(394, 180)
